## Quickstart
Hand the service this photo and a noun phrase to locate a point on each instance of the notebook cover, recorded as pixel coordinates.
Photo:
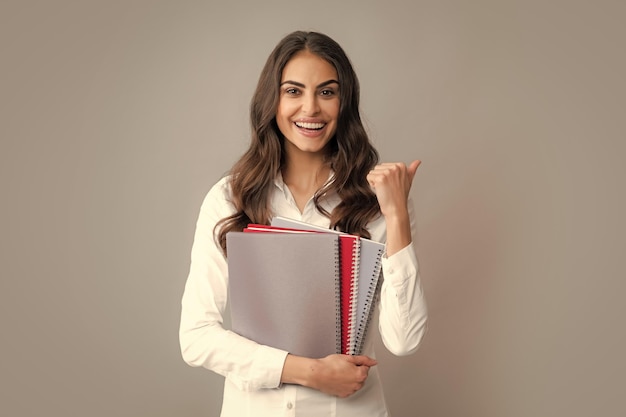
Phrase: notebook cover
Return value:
(284, 290)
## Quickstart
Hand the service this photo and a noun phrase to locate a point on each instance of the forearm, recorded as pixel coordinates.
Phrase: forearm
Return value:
(297, 370)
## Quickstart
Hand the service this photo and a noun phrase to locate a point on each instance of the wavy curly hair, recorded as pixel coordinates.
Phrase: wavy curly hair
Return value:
(351, 154)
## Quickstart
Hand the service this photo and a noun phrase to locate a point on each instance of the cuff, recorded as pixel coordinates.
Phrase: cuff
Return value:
(400, 266)
(268, 368)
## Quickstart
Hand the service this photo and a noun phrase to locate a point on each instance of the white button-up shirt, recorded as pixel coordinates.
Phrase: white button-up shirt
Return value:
(253, 371)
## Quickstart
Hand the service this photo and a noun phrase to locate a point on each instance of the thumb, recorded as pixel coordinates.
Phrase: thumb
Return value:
(363, 360)
(412, 169)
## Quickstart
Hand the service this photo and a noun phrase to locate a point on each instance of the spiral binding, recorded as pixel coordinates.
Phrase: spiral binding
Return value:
(356, 260)
(337, 297)
(370, 301)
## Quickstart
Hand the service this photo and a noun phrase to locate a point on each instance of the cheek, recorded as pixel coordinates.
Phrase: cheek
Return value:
(285, 108)
(332, 109)
(282, 118)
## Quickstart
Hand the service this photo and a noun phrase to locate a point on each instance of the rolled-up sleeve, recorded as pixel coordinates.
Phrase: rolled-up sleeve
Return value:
(204, 341)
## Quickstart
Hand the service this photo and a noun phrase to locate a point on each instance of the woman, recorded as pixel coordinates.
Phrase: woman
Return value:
(309, 159)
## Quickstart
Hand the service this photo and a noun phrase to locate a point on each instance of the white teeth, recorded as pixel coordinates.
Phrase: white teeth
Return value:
(310, 125)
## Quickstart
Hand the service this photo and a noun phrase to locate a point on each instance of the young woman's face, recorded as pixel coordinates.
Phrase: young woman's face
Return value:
(308, 106)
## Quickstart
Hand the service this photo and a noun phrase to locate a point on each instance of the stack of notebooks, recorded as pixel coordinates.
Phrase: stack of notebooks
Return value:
(301, 288)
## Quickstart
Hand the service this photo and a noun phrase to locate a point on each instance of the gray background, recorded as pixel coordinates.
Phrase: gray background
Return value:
(117, 117)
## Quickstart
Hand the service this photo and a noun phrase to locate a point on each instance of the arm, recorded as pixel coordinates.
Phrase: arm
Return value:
(203, 340)
(403, 313)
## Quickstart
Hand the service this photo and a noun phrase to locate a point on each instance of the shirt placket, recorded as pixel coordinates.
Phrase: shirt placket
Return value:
(290, 400)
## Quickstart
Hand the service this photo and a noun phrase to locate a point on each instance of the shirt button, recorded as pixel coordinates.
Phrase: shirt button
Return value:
(289, 405)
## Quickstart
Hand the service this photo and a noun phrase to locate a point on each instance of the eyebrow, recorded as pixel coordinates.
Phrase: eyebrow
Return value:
(297, 84)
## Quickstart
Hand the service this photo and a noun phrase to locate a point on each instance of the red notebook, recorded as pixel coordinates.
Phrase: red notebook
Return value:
(349, 248)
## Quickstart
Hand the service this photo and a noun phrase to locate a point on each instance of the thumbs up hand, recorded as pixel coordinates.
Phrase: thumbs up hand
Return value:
(391, 183)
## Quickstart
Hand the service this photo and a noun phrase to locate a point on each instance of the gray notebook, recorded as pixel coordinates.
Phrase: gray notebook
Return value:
(284, 290)
(370, 268)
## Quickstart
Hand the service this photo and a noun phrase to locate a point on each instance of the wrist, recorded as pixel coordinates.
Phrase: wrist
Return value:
(298, 370)
(398, 232)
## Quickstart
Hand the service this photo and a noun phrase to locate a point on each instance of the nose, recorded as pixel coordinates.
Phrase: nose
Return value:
(310, 104)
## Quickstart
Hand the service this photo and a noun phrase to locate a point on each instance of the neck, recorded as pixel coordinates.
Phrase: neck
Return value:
(305, 173)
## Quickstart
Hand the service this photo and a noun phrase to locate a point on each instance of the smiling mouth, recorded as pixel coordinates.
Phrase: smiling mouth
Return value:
(310, 126)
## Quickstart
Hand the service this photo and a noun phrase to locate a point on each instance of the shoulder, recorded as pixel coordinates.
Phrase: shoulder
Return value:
(220, 190)
(217, 203)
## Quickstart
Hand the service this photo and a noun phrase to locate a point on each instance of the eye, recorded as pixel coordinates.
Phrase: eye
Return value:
(292, 91)
(327, 92)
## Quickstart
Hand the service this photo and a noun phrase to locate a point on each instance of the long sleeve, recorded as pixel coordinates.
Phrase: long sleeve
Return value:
(203, 339)
(403, 313)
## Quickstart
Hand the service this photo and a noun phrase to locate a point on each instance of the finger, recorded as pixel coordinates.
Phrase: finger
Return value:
(373, 178)
(387, 166)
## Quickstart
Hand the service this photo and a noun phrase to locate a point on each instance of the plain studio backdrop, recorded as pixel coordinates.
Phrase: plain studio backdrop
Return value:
(118, 116)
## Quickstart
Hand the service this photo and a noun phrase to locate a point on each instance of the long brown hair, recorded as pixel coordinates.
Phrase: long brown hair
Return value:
(352, 155)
